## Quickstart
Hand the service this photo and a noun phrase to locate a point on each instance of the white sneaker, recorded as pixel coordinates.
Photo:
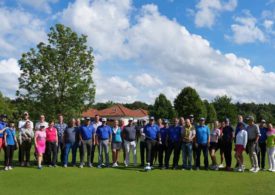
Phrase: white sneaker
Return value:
(10, 168)
(221, 166)
(273, 170)
(65, 166)
(6, 168)
(81, 166)
(252, 169)
(270, 169)
(114, 165)
(126, 165)
(257, 169)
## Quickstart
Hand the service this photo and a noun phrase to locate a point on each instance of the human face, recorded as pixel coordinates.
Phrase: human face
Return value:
(72, 122)
(87, 122)
(202, 122)
(270, 126)
(159, 122)
(176, 121)
(151, 122)
(78, 122)
(26, 116)
(188, 122)
(42, 118)
(240, 118)
(97, 119)
(181, 120)
(60, 119)
(216, 124)
(51, 124)
(116, 123)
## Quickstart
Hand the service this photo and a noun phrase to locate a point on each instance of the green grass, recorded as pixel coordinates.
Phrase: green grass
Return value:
(133, 181)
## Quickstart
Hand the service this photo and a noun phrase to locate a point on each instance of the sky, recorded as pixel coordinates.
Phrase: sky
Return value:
(146, 47)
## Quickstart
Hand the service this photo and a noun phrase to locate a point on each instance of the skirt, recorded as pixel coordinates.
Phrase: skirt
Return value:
(40, 147)
(116, 145)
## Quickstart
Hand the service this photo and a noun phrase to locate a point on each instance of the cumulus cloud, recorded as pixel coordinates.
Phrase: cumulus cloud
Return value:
(147, 80)
(208, 10)
(40, 5)
(19, 31)
(246, 30)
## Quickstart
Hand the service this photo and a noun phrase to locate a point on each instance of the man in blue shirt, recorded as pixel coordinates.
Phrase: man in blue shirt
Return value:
(104, 138)
(262, 144)
(3, 124)
(162, 148)
(202, 143)
(152, 136)
(173, 140)
(87, 139)
(60, 126)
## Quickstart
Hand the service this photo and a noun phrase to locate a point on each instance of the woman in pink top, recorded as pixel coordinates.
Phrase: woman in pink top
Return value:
(40, 144)
(51, 144)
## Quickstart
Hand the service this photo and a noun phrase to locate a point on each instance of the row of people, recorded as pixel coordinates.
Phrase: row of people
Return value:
(159, 139)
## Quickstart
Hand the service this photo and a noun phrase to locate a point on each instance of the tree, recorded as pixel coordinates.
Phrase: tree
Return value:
(6, 107)
(211, 112)
(162, 108)
(225, 108)
(189, 102)
(137, 105)
(57, 77)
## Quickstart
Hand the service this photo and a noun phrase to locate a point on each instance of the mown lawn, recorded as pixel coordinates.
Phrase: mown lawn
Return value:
(133, 181)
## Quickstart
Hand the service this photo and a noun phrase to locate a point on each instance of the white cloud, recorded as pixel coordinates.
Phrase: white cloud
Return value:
(245, 30)
(268, 24)
(147, 80)
(19, 31)
(40, 5)
(208, 10)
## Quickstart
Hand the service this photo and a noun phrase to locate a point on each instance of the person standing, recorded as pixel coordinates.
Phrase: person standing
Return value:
(152, 137)
(227, 140)
(129, 135)
(214, 137)
(3, 124)
(40, 145)
(253, 133)
(202, 143)
(188, 134)
(271, 148)
(173, 144)
(69, 140)
(77, 140)
(104, 138)
(262, 145)
(221, 145)
(96, 124)
(162, 148)
(26, 136)
(51, 144)
(116, 142)
(10, 145)
(87, 139)
(241, 141)
(142, 144)
(60, 126)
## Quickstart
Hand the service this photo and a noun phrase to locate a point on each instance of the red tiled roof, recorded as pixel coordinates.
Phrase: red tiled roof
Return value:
(116, 111)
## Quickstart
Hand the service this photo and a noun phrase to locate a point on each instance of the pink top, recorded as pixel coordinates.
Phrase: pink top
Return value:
(51, 134)
(41, 135)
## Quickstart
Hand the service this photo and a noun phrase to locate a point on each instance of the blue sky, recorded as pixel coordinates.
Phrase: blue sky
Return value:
(147, 47)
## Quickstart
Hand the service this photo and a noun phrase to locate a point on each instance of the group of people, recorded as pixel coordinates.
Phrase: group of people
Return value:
(157, 139)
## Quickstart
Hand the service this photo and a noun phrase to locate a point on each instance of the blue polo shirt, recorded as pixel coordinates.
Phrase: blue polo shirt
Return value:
(104, 132)
(174, 133)
(163, 134)
(87, 132)
(202, 134)
(151, 131)
(2, 126)
(10, 136)
(263, 136)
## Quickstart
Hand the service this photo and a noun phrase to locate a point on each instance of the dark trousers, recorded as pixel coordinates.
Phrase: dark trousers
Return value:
(227, 147)
(261, 155)
(68, 148)
(9, 155)
(20, 153)
(62, 152)
(173, 146)
(51, 151)
(86, 145)
(161, 150)
(194, 148)
(204, 149)
(150, 150)
(25, 151)
(142, 146)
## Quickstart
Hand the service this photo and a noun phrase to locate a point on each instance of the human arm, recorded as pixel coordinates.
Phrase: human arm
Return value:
(245, 139)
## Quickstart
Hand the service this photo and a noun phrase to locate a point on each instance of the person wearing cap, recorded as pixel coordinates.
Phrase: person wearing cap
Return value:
(104, 139)
(270, 143)
(3, 124)
(116, 142)
(142, 144)
(202, 143)
(95, 124)
(253, 133)
(262, 144)
(26, 136)
(173, 140)
(51, 144)
(227, 140)
(129, 135)
(188, 134)
(60, 126)
(87, 140)
(152, 137)
(241, 141)
(162, 147)
(40, 144)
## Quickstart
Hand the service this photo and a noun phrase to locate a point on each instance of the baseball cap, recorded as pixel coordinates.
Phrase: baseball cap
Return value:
(166, 121)
(26, 113)
(87, 118)
(251, 118)
(131, 119)
(202, 119)
(191, 116)
(104, 119)
(152, 118)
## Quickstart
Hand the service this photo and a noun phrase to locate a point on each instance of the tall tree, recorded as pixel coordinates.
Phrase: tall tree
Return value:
(225, 108)
(162, 108)
(189, 102)
(211, 112)
(57, 76)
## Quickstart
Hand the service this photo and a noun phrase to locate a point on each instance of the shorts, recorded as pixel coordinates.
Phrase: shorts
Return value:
(116, 145)
(239, 149)
(2, 143)
(213, 146)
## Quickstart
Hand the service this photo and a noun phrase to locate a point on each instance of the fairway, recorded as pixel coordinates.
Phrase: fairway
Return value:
(133, 181)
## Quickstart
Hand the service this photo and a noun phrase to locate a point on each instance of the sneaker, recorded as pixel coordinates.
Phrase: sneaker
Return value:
(263, 169)
(27, 164)
(90, 165)
(221, 166)
(6, 168)
(102, 164)
(256, 170)
(126, 165)
(147, 168)
(252, 169)
(39, 167)
(273, 170)
(81, 166)
(216, 168)
(65, 166)
(270, 169)
(50, 166)
(240, 170)
(10, 168)
(99, 166)
(197, 168)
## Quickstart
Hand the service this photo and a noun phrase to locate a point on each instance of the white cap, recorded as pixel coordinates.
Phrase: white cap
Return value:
(103, 119)
(131, 119)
